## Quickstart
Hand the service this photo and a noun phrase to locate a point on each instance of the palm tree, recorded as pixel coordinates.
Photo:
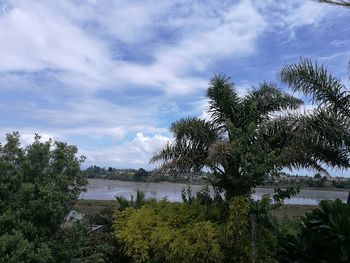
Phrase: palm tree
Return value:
(250, 137)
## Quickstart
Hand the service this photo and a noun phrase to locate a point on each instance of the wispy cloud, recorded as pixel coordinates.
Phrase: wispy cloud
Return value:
(110, 76)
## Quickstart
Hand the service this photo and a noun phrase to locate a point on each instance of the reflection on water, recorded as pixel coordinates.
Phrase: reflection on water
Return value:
(107, 190)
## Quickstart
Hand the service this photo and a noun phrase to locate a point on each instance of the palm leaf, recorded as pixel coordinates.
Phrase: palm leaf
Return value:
(259, 103)
(224, 102)
(192, 139)
(317, 82)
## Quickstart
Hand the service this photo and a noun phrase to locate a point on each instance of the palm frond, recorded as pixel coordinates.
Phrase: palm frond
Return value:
(218, 155)
(336, 2)
(192, 139)
(259, 103)
(317, 82)
(224, 101)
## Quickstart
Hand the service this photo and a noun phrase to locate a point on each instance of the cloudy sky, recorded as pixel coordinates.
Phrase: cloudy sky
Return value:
(111, 76)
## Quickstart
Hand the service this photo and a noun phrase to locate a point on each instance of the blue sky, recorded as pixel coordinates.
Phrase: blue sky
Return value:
(111, 76)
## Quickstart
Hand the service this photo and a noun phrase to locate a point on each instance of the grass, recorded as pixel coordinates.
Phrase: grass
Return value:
(93, 207)
(291, 211)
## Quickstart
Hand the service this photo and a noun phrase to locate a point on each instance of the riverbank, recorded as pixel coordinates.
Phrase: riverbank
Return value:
(93, 207)
(331, 189)
(185, 183)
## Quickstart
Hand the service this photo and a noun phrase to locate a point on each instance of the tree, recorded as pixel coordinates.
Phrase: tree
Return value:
(141, 174)
(317, 176)
(252, 136)
(38, 186)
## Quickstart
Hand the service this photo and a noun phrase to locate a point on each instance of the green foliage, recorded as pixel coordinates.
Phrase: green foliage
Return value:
(76, 244)
(105, 218)
(330, 117)
(236, 234)
(135, 201)
(281, 194)
(141, 174)
(186, 195)
(197, 231)
(324, 236)
(38, 185)
(244, 141)
(166, 232)
(264, 230)
(14, 247)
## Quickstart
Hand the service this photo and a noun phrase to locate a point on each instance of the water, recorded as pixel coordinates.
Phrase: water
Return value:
(99, 189)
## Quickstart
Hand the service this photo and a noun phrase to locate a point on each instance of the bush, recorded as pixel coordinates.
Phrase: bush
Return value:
(324, 235)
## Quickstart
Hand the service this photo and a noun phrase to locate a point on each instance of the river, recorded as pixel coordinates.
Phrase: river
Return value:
(99, 189)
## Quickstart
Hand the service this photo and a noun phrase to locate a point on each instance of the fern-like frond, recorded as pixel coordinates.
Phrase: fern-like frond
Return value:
(262, 101)
(224, 102)
(317, 82)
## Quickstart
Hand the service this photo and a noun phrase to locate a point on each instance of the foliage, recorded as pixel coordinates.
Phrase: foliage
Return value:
(249, 137)
(105, 218)
(77, 244)
(281, 194)
(141, 174)
(165, 232)
(324, 236)
(236, 234)
(38, 185)
(330, 117)
(136, 203)
(198, 231)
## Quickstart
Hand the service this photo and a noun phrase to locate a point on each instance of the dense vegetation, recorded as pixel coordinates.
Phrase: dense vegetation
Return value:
(38, 187)
(141, 175)
(315, 182)
(117, 174)
(246, 140)
(280, 179)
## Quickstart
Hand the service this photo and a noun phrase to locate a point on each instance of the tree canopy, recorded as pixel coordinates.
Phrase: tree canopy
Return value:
(38, 185)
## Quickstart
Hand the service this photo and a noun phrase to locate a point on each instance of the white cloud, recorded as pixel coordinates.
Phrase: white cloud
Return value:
(287, 16)
(40, 38)
(135, 153)
(86, 47)
(233, 34)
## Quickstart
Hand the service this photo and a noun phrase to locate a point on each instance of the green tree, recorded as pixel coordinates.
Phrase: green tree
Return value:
(38, 186)
(141, 174)
(317, 176)
(250, 137)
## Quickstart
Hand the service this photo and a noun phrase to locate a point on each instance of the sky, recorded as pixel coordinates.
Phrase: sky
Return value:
(111, 76)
